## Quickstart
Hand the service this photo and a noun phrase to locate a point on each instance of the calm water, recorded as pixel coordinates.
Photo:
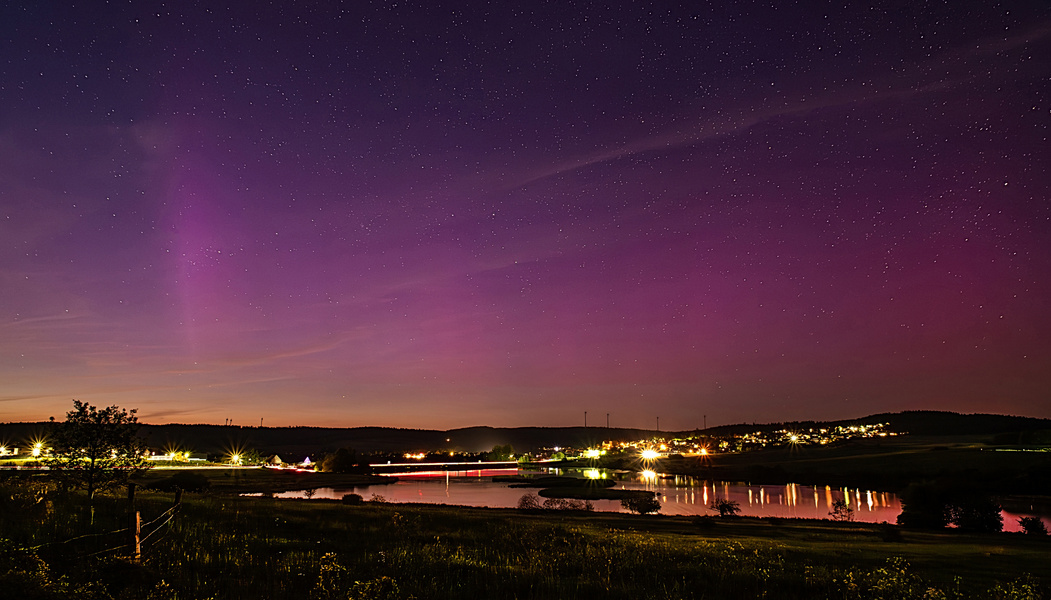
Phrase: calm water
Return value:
(678, 495)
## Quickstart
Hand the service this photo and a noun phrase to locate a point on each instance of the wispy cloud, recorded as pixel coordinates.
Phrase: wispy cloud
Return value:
(947, 70)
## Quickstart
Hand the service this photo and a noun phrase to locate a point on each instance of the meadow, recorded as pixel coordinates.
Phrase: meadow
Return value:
(226, 546)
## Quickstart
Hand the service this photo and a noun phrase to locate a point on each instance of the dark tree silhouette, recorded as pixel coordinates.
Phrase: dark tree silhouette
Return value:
(1033, 525)
(642, 504)
(98, 449)
(344, 460)
(726, 507)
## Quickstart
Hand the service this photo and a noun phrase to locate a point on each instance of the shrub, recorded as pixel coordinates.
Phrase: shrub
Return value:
(704, 522)
(529, 502)
(841, 511)
(576, 504)
(1033, 526)
(556, 504)
(642, 504)
(888, 532)
(923, 506)
(976, 513)
(726, 507)
(353, 499)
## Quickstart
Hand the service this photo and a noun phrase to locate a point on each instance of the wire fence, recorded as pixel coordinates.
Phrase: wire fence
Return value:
(132, 539)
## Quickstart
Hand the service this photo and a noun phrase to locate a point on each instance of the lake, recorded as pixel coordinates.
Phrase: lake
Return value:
(678, 495)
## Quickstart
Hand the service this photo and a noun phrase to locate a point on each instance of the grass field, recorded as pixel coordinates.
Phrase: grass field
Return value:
(231, 547)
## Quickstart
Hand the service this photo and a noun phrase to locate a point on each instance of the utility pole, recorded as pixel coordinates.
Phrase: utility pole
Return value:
(658, 424)
(706, 422)
(585, 419)
(607, 420)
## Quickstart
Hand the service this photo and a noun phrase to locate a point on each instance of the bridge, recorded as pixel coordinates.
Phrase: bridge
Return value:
(452, 467)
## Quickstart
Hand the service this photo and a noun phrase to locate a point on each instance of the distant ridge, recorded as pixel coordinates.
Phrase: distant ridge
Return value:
(291, 442)
(918, 422)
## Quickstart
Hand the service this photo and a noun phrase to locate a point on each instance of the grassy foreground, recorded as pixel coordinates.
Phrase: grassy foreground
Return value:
(232, 547)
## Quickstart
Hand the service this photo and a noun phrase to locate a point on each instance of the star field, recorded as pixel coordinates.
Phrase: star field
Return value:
(432, 214)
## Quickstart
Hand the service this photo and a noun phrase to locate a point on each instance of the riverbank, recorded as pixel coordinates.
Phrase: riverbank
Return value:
(230, 547)
(884, 464)
(260, 480)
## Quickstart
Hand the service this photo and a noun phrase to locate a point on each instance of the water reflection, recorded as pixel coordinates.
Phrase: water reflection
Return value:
(679, 495)
(687, 496)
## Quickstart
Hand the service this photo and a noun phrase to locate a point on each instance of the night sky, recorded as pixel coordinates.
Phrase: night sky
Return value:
(442, 214)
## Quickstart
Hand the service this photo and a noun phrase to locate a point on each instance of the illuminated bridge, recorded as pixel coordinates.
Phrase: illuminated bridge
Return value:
(450, 467)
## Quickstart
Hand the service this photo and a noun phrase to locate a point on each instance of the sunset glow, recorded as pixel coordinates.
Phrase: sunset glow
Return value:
(436, 216)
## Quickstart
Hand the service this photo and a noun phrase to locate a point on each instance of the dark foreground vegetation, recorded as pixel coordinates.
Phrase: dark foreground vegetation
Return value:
(227, 547)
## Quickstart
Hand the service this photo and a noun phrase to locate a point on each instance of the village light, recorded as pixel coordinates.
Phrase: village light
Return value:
(592, 453)
(649, 454)
(649, 475)
(235, 459)
(38, 448)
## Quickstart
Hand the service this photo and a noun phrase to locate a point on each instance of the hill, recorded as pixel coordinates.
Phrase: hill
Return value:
(297, 442)
(294, 442)
(916, 422)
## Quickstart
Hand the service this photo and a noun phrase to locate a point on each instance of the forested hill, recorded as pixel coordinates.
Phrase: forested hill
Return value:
(296, 441)
(293, 443)
(917, 422)
(299, 440)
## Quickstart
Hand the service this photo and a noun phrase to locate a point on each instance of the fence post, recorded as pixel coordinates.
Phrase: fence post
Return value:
(138, 536)
(134, 525)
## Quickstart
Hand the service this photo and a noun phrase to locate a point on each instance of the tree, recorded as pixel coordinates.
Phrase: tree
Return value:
(529, 502)
(930, 505)
(98, 449)
(501, 453)
(642, 504)
(726, 507)
(923, 506)
(976, 512)
(841, 511)
(1033, 525)
(344, 460)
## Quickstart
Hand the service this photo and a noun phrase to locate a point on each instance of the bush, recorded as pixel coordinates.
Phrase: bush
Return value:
(726, 507)
(642, 504)
(841, 511)
(704, 522)
(584, 505)
(976, 513)
(933, 506)
(556, 504)
(353, 499)
(1033, 526)
(923, 506)
(529, 502)
(888, 532)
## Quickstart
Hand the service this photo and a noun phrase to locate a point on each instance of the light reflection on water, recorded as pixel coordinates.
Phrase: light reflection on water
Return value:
(679, 495)
(683, 496)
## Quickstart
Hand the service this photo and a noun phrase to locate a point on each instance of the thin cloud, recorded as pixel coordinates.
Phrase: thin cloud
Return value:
(951, 65)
